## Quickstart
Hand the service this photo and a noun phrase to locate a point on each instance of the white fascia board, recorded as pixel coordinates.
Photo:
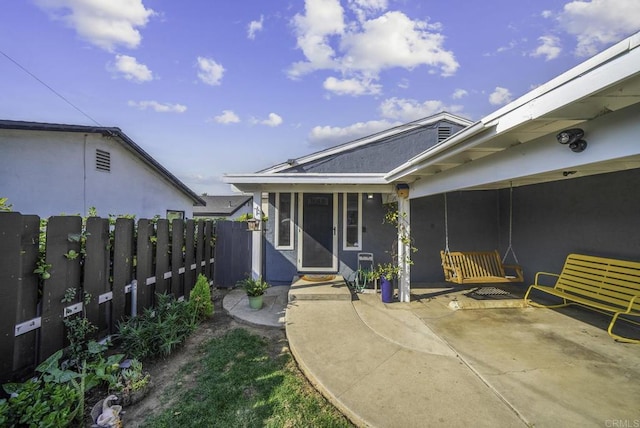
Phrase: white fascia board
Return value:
(304, 178)
(369, 139)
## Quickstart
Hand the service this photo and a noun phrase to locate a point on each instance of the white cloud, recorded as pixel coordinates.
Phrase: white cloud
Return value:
(158, 107)
(209, 71)
(131, 69)
(364, 8)
(597, 23)
(273, 120)
(500, 96)
(254, 27)
(106, 24)
(546, 14)
(328, 136)
(227, 116)
(362, 49)
(459, 93)
(549, 48)
(351, 86)
(407, 110)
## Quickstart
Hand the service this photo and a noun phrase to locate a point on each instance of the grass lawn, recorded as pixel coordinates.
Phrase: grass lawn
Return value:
(240, 383)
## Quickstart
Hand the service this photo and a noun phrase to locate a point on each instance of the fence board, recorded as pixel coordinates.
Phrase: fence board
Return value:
(177, 258)
(144, 265)
(65, 274)
(189, 258)
(24, 355)
(10, 228)
(96, 273)
(208, 249)
(162, 256)
(122, 267)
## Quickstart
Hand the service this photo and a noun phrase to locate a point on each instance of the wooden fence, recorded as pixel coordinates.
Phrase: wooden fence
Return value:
(120, 266)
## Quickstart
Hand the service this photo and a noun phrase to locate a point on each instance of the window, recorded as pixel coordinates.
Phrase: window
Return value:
(352, 220)
(103, 160)
(284, 223)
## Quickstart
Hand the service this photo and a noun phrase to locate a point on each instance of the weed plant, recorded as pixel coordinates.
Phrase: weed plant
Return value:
(157, 331)
(200, 299)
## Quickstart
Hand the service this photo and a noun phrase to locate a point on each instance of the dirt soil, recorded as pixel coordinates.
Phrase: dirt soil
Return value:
(166, 372)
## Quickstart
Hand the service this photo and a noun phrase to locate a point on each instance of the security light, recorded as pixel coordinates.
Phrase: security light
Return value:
(573, 137)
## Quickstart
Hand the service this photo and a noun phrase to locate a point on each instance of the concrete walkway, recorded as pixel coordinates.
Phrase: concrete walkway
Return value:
(426, 363)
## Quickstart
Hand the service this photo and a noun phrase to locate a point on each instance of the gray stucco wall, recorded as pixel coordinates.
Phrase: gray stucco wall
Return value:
(596, 215)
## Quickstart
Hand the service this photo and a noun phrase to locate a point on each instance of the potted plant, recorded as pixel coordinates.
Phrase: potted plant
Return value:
(386, 273)
(133, 382)
(255, 288)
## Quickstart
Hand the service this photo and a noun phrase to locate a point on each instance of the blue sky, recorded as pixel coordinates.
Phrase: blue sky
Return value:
(214, 87)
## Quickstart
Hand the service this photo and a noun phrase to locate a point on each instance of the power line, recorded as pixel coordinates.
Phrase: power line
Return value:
(50, 88)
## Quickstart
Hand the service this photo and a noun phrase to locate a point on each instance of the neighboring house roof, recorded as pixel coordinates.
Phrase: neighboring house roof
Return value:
(115, 133)
(220, 206)
(604, 84)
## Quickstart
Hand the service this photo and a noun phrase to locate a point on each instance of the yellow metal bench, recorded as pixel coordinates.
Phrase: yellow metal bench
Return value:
(473, 267)
(605, 285)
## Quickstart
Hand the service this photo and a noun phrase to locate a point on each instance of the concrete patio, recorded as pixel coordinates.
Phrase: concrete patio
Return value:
(426, 363)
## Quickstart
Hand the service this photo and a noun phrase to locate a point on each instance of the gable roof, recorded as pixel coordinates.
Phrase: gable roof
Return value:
(369, 139)
(281, 175)
(607, 83)
(115, 133)
(221, 206)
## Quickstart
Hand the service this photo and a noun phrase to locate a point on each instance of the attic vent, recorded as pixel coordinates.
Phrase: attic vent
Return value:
(103, 160)
(443, 134)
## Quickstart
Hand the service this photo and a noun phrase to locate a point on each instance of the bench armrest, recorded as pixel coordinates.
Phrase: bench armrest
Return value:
(545, 274)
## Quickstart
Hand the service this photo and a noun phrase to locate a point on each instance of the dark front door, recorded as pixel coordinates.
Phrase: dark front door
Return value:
(318, 232)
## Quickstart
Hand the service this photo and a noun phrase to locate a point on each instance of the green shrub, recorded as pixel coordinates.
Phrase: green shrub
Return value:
(200, 299)
(158, 331)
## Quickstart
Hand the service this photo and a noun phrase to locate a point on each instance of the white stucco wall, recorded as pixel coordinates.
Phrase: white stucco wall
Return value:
(51, 173)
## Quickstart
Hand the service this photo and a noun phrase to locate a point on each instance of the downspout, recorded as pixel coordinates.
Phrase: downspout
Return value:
(84, 177)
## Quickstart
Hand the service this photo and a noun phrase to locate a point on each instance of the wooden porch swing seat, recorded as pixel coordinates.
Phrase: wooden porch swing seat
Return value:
(474, 267)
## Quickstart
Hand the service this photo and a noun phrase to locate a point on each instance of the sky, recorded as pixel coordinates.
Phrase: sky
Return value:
(215, 87)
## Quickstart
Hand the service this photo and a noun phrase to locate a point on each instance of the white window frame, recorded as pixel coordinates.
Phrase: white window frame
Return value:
(344, 223)
(277, 222)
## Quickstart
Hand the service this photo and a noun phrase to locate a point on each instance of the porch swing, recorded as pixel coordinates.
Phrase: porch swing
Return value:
(475, 267)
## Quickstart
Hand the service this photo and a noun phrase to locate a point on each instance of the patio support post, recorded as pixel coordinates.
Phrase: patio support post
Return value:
(404, 249)
(256, 237)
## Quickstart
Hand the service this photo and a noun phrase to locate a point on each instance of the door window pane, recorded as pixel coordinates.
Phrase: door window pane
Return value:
(284, 226)
(352, 234)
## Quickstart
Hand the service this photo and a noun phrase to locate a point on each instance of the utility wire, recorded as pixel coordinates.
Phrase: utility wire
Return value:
(50, 88)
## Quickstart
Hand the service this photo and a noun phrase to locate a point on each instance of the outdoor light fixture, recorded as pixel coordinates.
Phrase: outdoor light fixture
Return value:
(402, 190)
(369, 195)
(573, 137)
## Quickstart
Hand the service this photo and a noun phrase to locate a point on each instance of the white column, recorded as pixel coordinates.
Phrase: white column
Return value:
(256, 237)
(404, 249)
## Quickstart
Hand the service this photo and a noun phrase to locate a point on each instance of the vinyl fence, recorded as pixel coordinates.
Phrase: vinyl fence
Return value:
(120, 266)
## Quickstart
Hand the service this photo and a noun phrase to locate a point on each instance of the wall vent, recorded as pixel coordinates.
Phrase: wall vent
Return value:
(103, 160)
(443, 133)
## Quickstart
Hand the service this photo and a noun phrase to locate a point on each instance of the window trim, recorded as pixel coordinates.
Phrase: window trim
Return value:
(277, 222)
(344, 222)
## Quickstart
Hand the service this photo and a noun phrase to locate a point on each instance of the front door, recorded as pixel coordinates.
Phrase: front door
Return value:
(318, 232)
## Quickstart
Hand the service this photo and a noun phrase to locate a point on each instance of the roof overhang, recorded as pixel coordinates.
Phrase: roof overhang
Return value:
(582, 97)
(308, 182)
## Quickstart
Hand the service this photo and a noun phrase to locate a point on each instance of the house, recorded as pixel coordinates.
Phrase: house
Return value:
(50, 169)
(226, 207)
(504, 182)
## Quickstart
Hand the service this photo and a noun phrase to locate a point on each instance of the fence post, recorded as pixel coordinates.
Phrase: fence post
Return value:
(208, 249)
(189, 258)
(65, 273)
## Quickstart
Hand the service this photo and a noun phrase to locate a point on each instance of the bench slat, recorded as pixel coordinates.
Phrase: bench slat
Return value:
(600, 283)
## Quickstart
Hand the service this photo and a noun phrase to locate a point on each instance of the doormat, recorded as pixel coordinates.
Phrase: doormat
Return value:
(490, 293)
(318, 278)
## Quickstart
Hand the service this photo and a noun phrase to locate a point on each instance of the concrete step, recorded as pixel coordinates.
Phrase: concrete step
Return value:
(319, 287)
